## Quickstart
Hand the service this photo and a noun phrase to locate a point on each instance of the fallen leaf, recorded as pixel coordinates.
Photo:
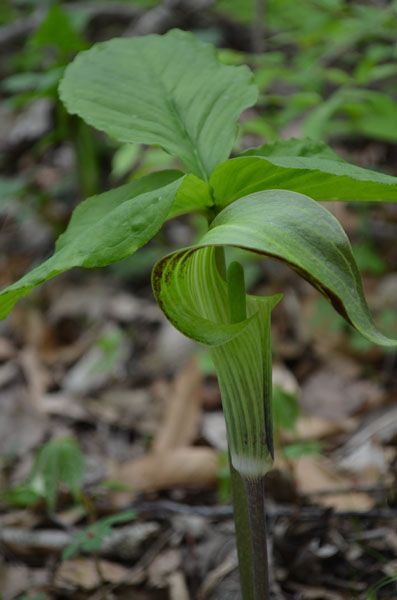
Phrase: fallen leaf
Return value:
(172, 350)
(103, 363)
(163, 565)
(127, 543)
(62, 405)
(8, 373)
(314, 428)
(177, 587)
(36, 375)
(7, 350)
(16, 579)
(214, 430)
(86, 574)
(182, 414)
(368, 460)
(318, 474)
(284, 379)
(195, 467)
(22, 426)
(136, 409)
(332, 394)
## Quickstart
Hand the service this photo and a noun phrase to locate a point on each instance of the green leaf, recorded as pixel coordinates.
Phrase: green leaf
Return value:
(168, 90)
(284, 225)
(90, 540)
(59, 461)
(285, 408)
(369, 113)
(318, 175)
(194, 194)
(104, 229)
(303, 448)
(294, 147)
(58, 31)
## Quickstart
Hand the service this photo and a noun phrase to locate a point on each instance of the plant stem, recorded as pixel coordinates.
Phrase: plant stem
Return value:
(251, 535)
(243, 538)
(248, 492)
(255, 494)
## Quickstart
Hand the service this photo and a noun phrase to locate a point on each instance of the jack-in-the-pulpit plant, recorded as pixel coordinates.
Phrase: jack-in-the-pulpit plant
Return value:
(171, 91)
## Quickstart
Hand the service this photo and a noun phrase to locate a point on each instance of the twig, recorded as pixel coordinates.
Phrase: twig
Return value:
(164, 509)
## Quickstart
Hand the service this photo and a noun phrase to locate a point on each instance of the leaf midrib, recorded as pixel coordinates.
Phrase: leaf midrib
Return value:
(177, 116)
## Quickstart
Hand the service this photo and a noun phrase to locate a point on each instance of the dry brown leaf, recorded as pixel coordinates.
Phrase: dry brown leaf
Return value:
(22, 426)
(318, 474)
(183, 467)
(367, 460)
(7, 350)
(16, 579)
(333, 394)
(8, 373)
(136, 409)
(163, 565)
(86, 574)
(63, 405)
(315, 428)
(214, 577)
(172, 349)
(177, 586)
(214, 430)
(183, 412)
(284, 379)
(316, 593)
(36, 375)
(19, 518)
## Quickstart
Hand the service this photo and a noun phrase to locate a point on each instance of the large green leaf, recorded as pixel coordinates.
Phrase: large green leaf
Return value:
(104, 229)
(285, 225)
(168, 90)
(314, 172)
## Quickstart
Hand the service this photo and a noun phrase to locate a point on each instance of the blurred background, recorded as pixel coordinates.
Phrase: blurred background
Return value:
(113, 465)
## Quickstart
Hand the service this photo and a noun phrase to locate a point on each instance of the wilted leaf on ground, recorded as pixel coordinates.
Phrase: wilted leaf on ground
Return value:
(318, 474)
(17, 578)
(22, 426)
(82, 574)
(332, 394)
(310, 427)
(183, 410)
(194, 467)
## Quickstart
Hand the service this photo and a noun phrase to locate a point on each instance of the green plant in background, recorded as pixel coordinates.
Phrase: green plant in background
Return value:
(341, 51)
(171, 91)
(40, 596)
(59, 462)
(90, 540)
(39, 68)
